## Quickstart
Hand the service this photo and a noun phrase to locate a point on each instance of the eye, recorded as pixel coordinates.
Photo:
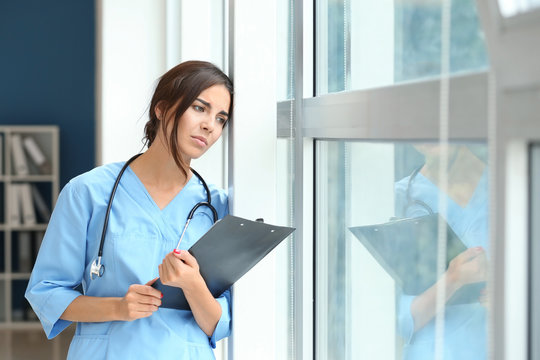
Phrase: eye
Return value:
(198, 108)
(221, 120)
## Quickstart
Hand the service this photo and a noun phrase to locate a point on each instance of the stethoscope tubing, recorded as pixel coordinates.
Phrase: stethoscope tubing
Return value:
(97, 268)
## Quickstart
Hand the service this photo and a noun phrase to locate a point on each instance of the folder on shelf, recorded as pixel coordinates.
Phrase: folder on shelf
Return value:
(19, 160)
(24, 247)
(28, 212)
(225, 253)
(407, 249)
(41, 206)
(14, 205)
(37, 155)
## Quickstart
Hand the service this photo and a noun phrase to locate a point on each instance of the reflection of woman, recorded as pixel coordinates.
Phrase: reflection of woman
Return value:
(119, 315)
(466, 213)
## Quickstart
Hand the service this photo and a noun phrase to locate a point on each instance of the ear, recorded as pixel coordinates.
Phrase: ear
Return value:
(159, 109)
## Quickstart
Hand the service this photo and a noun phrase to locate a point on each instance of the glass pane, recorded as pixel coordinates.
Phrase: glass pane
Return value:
(402, 250)
(514, 7)
(285, 50)
(364, 44)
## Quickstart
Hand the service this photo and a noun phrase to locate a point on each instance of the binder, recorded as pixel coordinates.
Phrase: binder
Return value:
(15, 208)
(41, 205)
(24, 247)
(28, 212)
(225, 253)
(407, 250)
(36, 155)
(19, 161)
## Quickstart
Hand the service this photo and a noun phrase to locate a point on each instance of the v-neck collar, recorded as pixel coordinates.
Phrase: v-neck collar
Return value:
(473, 200)
(154, 205)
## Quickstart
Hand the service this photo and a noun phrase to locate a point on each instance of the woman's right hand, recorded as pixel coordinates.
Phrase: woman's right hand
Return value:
(468, 267)
(140, 301)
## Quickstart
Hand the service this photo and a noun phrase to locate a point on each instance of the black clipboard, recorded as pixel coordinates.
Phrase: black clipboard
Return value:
(225, 253)
(407, 250)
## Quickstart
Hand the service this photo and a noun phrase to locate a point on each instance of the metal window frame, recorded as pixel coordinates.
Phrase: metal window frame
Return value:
(495, 105)
(400, 112)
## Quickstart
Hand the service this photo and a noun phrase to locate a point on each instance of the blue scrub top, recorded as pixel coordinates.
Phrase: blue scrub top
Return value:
(465, 324)
(139, 235)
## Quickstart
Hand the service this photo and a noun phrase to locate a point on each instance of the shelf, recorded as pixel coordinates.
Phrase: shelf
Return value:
(24, 197)
(14, 276)
(21, 325)
(27, 178)
(36, 227)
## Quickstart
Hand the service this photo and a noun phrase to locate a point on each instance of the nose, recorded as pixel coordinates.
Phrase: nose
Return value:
(208, 123)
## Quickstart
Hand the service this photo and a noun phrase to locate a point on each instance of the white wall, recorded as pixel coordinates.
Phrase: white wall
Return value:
(138, 41)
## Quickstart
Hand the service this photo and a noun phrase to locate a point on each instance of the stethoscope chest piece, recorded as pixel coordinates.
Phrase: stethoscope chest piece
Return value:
(96, 269)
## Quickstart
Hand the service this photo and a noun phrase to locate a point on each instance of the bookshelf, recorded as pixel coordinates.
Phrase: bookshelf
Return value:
(29, 186)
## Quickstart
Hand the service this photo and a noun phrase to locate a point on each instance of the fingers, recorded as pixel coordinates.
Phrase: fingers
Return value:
(186, 257)
(469, 254)
(145, 290)
(151, 282)
(141, 301)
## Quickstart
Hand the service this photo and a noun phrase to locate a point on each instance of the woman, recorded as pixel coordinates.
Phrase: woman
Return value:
(119, 314)
(465, 322)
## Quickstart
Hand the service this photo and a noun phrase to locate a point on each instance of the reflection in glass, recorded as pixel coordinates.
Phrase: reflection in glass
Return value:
(391, 239)
(364, 44)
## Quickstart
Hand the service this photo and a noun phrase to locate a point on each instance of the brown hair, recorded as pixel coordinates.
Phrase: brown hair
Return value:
(180, 86)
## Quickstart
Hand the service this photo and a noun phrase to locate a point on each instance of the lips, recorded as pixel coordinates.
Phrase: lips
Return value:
(200, 140)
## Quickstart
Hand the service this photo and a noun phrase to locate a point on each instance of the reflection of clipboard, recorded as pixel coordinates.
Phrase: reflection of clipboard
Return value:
(225, 253)
(407, 250)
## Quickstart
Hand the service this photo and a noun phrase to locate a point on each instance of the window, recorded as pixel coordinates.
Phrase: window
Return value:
(365, 44)
(380, 211)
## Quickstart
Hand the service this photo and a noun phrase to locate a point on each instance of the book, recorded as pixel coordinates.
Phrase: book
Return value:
(28, 212)
(19, 160)
(24, 251)
(407, 250)
(14, 208)
(40, 205)
(38, 239)
(225, 253)
(37, 155)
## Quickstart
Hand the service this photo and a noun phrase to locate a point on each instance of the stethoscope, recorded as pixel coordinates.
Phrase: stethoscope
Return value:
(410, 201)
(97, 268)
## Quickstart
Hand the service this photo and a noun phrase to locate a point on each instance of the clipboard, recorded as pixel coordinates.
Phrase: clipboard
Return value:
(225, 253)
(407, 250)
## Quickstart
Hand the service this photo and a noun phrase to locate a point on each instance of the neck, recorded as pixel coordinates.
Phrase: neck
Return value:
(157, 168)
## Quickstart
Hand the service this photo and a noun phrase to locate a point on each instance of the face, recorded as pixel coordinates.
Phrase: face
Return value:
(202, 123)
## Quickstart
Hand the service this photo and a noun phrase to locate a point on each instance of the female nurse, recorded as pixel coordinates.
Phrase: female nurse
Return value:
(465, 324)
(118, 315)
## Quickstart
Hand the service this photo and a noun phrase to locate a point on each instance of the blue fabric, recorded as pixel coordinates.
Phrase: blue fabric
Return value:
(465, 324)
(139, 236)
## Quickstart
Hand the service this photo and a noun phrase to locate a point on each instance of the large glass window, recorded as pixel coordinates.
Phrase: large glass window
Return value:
(363, 44)
(402, 250)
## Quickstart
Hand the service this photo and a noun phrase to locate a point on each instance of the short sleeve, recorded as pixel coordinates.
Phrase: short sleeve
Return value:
(223, 327)
(405, 322)
(60, 263)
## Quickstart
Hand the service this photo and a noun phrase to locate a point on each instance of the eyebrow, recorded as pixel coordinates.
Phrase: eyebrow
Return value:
(207, 104)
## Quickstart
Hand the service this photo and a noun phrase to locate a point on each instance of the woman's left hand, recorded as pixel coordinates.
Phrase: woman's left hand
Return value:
(180, 269)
